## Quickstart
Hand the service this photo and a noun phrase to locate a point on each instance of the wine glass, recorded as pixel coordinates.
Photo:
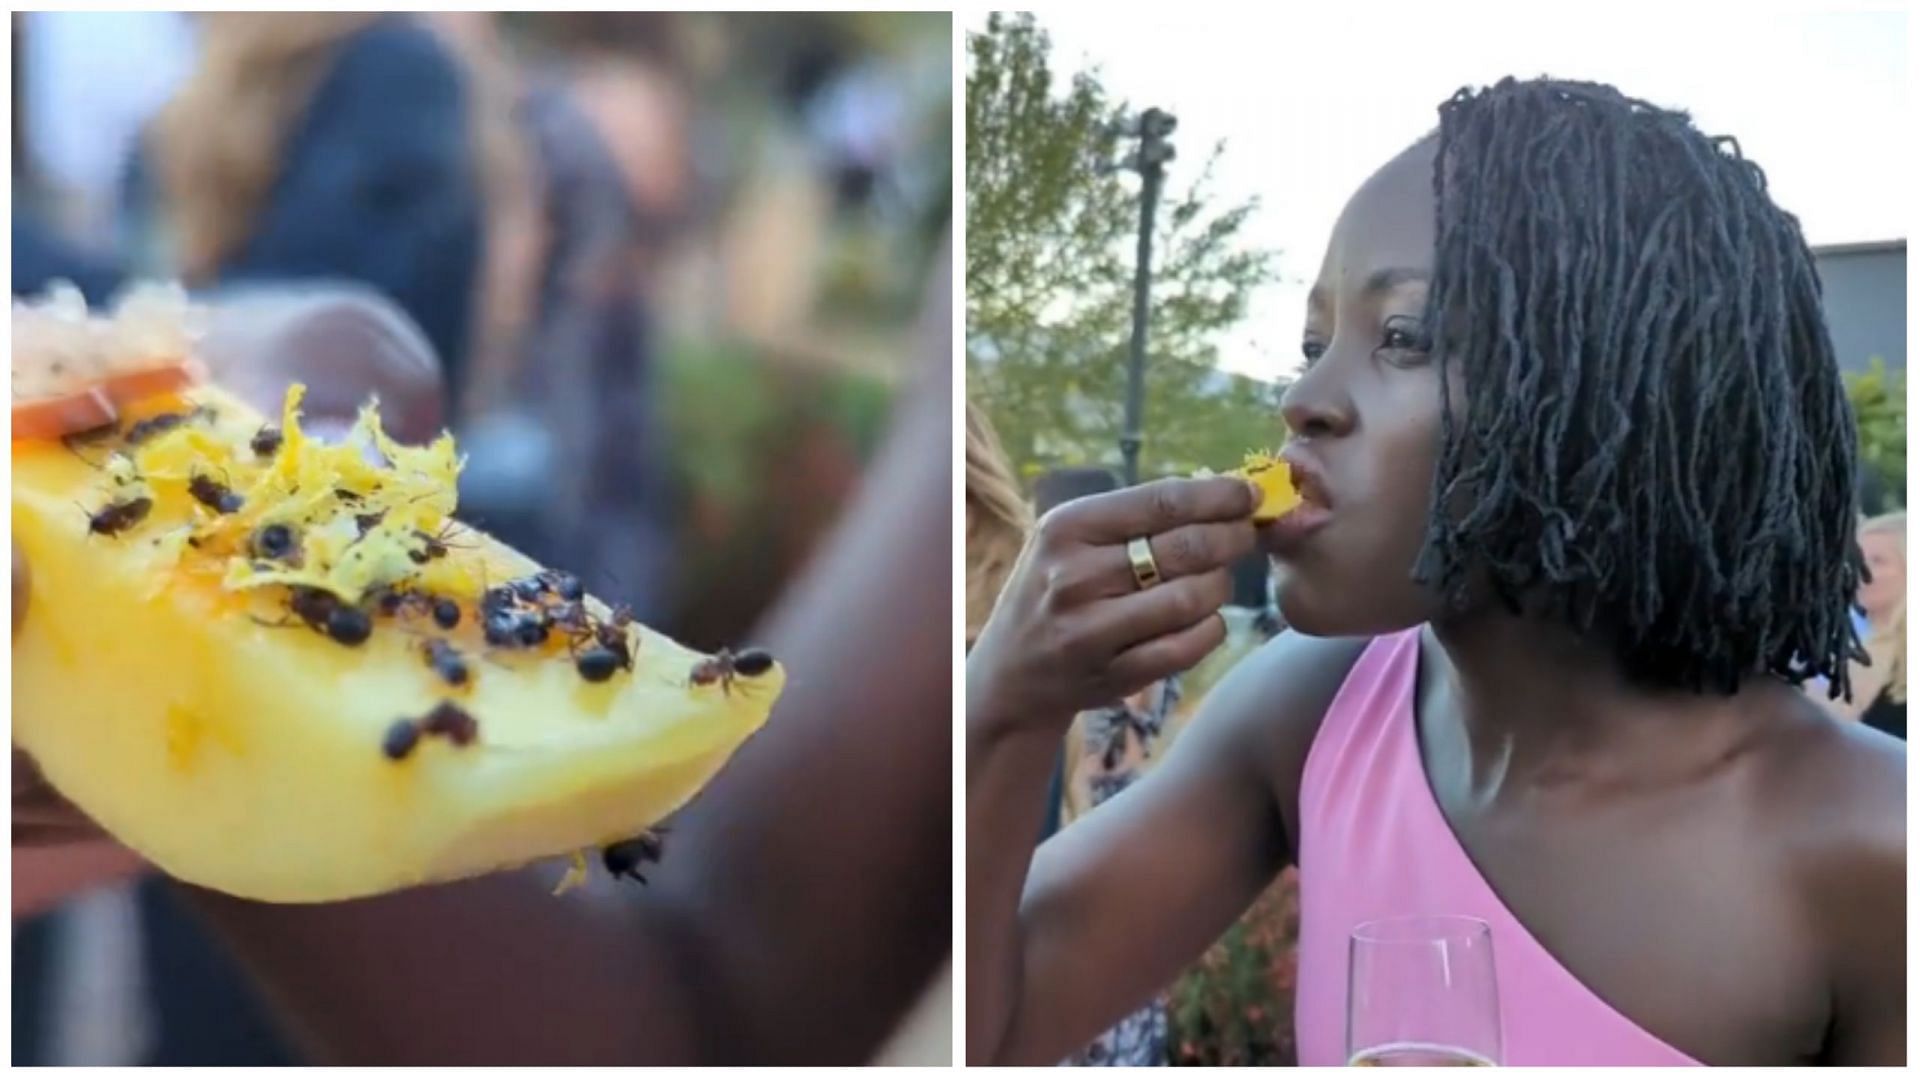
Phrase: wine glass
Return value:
(1420, 991)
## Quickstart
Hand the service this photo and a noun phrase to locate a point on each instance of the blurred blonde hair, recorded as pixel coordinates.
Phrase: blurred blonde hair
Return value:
(219, 143)
(998, 520)
(1886, 667)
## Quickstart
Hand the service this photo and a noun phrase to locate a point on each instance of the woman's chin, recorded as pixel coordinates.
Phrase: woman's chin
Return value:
(1317, 608)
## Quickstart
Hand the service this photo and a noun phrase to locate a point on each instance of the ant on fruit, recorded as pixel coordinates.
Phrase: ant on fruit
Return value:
(392, 601)
(509, 627)
(266, 441)
(624, 859)
(276, 542)
(451, 722)
(155, 426)
(446, 662)
(446, 720)
(402, 736)
(327, 614)
(213, 494)
(562, 584)
(727, 667)
(117, 517)
(433, 545)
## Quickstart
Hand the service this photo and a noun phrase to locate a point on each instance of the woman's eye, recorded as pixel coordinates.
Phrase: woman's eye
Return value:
(1313, 350)
(1405, 336)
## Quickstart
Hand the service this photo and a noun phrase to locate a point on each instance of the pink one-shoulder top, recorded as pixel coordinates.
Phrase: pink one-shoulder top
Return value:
(1374, 845)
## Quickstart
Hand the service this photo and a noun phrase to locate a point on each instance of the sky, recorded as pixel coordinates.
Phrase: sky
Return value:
(1310, 100)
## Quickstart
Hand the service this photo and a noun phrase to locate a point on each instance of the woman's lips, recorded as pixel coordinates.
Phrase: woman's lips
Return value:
(1314, 510)
(1292, 529)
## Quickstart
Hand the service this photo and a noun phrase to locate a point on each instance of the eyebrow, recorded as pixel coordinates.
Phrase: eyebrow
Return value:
(1393, 277)
(1385, 279)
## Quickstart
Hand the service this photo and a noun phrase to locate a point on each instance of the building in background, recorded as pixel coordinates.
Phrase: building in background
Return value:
(1865, 288)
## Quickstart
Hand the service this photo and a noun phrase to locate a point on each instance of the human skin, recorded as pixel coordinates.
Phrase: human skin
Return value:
(346, 345)
(1726, 871)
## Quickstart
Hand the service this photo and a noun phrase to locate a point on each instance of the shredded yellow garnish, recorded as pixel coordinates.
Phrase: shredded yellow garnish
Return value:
(361, 524)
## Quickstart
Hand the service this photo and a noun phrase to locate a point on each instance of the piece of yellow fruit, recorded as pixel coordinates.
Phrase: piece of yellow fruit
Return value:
(1277, 494)
(200, 692)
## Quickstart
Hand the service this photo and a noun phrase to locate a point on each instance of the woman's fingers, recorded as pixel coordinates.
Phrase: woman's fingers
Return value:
(1169, 654)
(1182, 552)
(1145, 614)
(1151, 509)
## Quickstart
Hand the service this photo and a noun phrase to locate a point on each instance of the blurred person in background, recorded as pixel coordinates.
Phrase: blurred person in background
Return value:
(331, 145)
(1880, 684)
(998, 519)
(563, 425)
(85, 84)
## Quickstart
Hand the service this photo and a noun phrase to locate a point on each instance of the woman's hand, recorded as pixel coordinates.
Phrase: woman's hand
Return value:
(346, 344)
(1074, 629)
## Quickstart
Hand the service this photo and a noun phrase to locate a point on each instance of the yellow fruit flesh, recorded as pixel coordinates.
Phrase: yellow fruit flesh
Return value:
(1276, 486)
(248, 758)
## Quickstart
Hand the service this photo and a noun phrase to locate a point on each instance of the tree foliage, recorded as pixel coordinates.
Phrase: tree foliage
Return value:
(1049, 265)
(1879, 400)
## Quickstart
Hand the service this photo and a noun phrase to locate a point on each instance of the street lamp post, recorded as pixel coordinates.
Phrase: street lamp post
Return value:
(1149, 159)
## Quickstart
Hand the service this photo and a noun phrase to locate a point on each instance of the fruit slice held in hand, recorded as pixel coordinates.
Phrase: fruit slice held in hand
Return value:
(278, 669)
(1275, 479)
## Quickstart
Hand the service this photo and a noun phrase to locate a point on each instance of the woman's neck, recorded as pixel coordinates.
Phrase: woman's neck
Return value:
(1541, 707)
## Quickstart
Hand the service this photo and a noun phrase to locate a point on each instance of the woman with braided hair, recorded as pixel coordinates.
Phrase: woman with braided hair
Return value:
(1578, 478)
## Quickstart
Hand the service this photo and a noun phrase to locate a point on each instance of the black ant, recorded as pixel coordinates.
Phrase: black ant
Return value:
(446, 662)
(154, 426)
(276, 542)
(213, 494)
(451, 722)
(444, 612)
(116, 518)
(433, 545)
(727, 667)
(326, 613)
(571, 618)
(562, 584)
(446, 719)
(528, 589)
(598, 663)
(514, 628)
(402, 736)
(266, 442)
(624, 859)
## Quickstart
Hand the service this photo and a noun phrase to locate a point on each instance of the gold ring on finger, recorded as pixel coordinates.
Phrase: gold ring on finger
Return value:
(1146, 573)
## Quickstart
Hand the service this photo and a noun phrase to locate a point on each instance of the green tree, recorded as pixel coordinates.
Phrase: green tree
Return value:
(1049, 265)
(1879, 400)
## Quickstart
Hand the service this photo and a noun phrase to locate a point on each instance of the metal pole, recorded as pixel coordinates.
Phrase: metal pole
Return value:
(1130, 437)
(1150, 161)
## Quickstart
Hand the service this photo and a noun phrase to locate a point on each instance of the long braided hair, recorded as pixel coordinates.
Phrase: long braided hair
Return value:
(1656, 445)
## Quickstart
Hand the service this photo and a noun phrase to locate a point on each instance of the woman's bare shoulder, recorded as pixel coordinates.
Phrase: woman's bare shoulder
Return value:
(1267, 710)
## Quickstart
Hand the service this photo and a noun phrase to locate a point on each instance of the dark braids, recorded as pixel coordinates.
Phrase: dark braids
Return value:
(1655, 443)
